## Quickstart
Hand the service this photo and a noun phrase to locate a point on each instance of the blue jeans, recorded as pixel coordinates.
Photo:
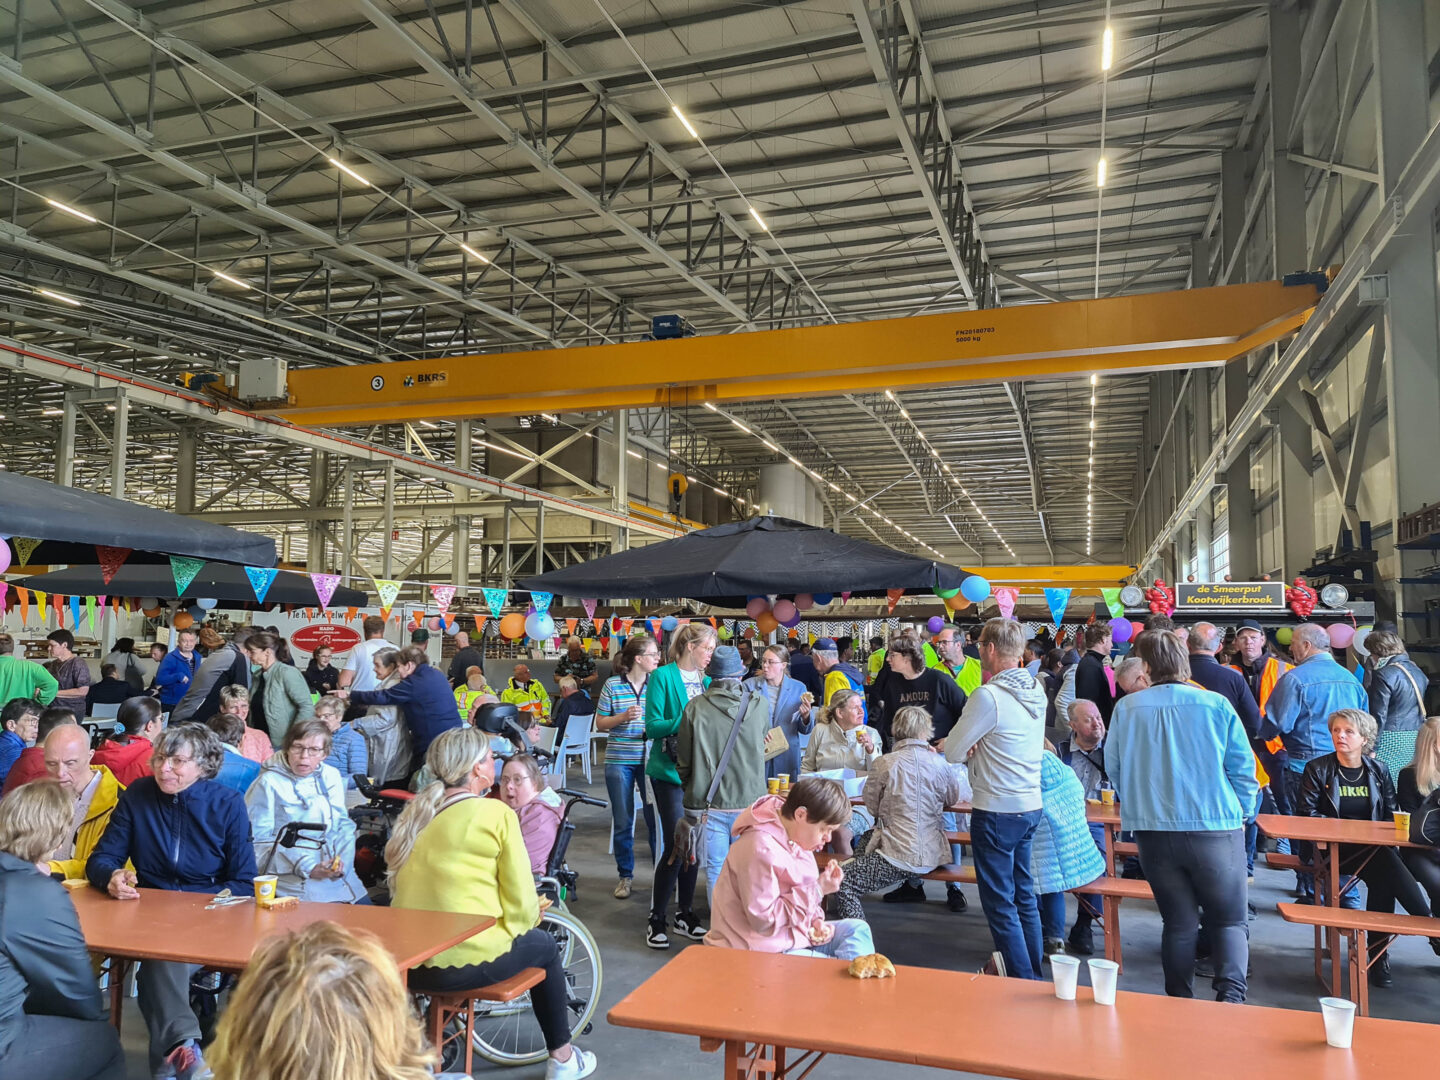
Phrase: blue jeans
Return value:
(717, 845)
(1001, 845)
(1052, 915)
(852, 939)
(621, 782)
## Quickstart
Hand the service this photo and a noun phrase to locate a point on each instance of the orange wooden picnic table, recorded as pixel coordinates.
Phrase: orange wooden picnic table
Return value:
(175, 926)
(780, 1014)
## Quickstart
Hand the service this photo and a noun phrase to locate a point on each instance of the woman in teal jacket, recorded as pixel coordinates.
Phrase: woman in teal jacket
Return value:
(669, 690)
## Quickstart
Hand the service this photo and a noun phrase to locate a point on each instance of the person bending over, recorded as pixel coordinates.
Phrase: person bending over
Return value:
(769, 895)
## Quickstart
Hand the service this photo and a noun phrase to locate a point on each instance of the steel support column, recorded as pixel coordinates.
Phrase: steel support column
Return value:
(388, 556)
(1297, 489)
(622, 474)
(1413, 383)
(119, 437)
(65, 449)
(1244, 543)
(347, 525)
(185, 474)
(460, 538)
(1287, 177)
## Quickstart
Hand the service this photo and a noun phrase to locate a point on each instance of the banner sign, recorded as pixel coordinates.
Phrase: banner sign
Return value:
(1230, 596)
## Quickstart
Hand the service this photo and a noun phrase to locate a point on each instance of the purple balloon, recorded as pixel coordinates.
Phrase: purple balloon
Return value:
(1121, 630)
(935, 625)
(792, 622)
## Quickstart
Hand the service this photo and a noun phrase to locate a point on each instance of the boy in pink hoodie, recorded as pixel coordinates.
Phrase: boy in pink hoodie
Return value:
(769, 892)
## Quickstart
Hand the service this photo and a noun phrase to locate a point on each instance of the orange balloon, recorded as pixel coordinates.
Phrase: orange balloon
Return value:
(766, 622)
(749, 633)
(182, 620)
(794, 633)
(152, 612)
(512, 626)
(957, 603)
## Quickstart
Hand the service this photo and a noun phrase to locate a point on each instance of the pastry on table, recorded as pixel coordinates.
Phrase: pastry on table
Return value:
(874, 966)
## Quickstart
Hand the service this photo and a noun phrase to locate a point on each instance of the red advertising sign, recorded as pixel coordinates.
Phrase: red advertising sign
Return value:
(324, 635)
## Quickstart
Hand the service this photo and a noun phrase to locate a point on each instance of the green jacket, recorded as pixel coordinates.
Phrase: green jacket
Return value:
(287, 700)
(704, 731)
(20, 678)
(665, 702)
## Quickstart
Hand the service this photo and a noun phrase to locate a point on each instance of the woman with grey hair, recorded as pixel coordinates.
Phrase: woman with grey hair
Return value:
(907, 794)
(1397, 698)
(183, 832)
(388, 747)
(1353, 785)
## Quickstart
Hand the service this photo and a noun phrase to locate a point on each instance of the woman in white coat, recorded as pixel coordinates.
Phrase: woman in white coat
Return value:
(297, 785)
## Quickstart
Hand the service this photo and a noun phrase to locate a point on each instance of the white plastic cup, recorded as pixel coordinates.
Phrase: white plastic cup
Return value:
(1066, 972)
(1339, 1017)
(1103, 976)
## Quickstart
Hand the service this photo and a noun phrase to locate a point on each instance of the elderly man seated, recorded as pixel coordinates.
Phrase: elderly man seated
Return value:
(526, 694)
(1084, 752)
(30, 765)
(93, 787)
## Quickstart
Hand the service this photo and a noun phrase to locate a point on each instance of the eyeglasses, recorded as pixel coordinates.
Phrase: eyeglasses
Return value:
(175, 761)
(774, 662)
(307, 751)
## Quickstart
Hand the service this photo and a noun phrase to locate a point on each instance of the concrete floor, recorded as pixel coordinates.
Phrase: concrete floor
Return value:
(928, 935)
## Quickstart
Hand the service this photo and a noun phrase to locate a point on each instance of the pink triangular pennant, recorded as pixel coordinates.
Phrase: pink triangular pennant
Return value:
(325, 586)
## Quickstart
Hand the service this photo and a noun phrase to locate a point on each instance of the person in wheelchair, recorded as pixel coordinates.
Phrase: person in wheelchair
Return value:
(540, 809)
(453, 850)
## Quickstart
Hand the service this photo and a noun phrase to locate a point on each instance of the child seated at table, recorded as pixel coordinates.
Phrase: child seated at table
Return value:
(768, 898)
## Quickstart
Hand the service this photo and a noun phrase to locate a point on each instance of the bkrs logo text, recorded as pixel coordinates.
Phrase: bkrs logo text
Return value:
(424, 378)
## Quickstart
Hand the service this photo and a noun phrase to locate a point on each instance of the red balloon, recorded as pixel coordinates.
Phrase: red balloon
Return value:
(1136, 629)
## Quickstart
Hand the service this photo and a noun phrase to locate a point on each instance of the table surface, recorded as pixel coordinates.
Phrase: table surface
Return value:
(1324, 830)
(165, 925)
(954, 1020)
(1094, 812)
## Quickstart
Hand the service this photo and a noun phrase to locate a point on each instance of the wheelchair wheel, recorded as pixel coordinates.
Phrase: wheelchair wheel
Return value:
(507, 1034)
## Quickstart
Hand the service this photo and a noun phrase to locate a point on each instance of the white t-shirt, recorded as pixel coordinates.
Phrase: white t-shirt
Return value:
(362, 663)
(694, 683)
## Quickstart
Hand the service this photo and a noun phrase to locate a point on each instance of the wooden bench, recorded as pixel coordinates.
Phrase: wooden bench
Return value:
(1113, 889)
(457, 1005)
(1277, 861)
(1122, 848)
(1356, 927)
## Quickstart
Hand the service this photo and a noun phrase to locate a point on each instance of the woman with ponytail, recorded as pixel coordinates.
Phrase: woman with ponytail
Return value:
(454, 850)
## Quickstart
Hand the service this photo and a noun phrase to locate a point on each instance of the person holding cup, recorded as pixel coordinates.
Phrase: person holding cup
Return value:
(842, 740)
(180, 799)
(1353, 785)
(621, 712)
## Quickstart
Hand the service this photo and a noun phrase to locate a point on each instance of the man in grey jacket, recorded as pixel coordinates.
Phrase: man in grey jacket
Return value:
(705, 728)
(227, 665)
(1001, 734)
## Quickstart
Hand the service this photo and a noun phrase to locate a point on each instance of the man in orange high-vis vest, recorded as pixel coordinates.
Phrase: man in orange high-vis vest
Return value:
(1261, 670)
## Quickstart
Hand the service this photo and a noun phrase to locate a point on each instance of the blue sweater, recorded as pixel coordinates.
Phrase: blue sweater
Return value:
(196, 841)
(1180, 761)
(426, 700)
(172, 677)
(237, 772)
(348, 754)
(10, 747)
(1301, 704)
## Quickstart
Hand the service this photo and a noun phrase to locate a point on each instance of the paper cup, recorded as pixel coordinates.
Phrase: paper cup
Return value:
(1107, 796)
(1402, 822)
(1103, 976)
(773, 785)
(265, 887)
(1339, 1017)
(1066, 972)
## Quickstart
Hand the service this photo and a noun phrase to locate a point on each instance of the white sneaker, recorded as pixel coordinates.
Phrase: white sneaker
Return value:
(580, 1064)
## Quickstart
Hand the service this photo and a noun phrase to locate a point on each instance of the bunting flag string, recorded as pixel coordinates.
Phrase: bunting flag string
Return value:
(325, 586)
(75, 612)
(480, 623)
(90, 612)
(495, 601)
(1005, 598)
(625, 625)
(111, 559)
(1057, 600)
(40, 598)
(24, 595)
(1113, 602)
(589, 606)
(261, 578)
(541, 600)
(24, 547)
(185, 570)
(350, 613)
(571, 624)
(443, 594)
(892, 597)
(387, 591)
(636, 605)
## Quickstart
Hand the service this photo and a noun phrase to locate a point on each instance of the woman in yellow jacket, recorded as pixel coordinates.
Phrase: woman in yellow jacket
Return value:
(455, 850)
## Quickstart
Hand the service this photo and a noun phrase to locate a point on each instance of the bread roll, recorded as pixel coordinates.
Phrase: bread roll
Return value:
(874, 966)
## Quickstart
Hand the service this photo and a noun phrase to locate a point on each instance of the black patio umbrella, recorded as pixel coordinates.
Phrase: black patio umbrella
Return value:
(70, 522)
(727, 564)
(224, 582)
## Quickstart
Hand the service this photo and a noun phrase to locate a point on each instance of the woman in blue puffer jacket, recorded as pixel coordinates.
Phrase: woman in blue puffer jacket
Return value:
(1064, 855)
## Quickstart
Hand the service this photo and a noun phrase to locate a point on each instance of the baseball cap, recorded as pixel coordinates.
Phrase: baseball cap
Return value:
(826, 644)
(1250, 624)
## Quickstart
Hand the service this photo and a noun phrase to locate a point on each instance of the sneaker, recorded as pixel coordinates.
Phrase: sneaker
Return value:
(656, 937)
(580, 1063)
(622, 890)
(1082, 939)
(687, 924)
(995, 965)
(955, 900)
(1054, 947)
(1435, 945)
(906, 894)
(186, 1062)
(1380, 972)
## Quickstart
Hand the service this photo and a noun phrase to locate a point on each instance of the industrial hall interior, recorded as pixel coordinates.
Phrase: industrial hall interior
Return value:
(581, 537)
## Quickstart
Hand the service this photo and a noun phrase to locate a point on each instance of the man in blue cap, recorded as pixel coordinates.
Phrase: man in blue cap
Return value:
(837, 676)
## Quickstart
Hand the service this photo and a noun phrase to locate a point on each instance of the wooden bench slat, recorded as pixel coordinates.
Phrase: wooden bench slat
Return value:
(1124, 888)
(1278, 861)
(1373, 922)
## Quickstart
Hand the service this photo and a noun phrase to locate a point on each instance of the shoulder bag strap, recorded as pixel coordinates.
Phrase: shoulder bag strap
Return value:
(1416, 687)
(729, 748)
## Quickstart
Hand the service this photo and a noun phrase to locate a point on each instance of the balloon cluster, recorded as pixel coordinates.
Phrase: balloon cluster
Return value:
(770, 615)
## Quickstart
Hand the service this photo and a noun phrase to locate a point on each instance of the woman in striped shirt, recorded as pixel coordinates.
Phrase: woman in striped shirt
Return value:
(621, 712)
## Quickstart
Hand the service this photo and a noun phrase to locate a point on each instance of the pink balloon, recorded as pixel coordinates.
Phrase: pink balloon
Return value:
(436, 624)
(1341, 634)
(804, 601)
(757, 607)
(4, 556)
(785, 610)
(1136, 629)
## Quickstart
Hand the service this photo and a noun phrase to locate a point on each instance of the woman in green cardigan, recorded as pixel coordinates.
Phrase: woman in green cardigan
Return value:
(670, 689)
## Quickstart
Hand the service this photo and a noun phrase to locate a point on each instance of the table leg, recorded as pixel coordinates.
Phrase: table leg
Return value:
(118, 970)
(1360, 971)
(1332, 887)
(1112, 836)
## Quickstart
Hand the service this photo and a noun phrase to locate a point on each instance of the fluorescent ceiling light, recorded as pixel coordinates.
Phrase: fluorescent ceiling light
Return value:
(348, 171)
(61, 297)
(688, 126)
(473, 253)
(232, 280)
(758, 219)
(73, 212)
(1107, 49)
(1100, 170)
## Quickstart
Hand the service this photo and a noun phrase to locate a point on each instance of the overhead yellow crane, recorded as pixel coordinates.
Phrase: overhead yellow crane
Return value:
(1125, 334)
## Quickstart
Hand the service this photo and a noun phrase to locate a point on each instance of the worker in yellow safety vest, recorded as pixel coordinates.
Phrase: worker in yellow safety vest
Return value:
(944, 654)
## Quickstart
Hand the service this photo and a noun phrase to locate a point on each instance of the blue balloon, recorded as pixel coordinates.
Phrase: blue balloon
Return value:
(207, 603)
(823, 598)
(975, 589)
(540, 626)
(669, 623)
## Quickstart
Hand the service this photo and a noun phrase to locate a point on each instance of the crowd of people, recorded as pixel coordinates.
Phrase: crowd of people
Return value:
(1193, 731)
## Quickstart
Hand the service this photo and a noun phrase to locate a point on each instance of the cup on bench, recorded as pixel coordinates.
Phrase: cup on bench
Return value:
(1066, 972)
(1104, 974)
(1339, 1016)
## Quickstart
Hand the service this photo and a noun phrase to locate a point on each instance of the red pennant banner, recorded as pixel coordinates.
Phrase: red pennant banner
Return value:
(892, 597)
(111, 559)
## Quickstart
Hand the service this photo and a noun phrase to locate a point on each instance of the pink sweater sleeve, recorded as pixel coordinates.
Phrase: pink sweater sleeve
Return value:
(777, 903)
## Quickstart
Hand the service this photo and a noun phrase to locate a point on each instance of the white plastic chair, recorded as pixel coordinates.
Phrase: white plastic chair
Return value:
(576, 743)
(105, 712)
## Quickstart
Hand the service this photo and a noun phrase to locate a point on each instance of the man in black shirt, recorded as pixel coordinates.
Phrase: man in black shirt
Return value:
(1092, 683)
(466, 656)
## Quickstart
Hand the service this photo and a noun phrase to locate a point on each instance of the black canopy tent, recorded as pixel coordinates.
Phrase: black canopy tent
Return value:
(224, 582)
(70, 522)
(725, 565)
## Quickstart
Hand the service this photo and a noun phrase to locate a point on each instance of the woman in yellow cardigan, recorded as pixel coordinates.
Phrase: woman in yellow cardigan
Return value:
(455, 850)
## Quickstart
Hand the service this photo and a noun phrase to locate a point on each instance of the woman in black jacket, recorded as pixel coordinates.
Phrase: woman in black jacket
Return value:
(52, 1019)
(1415, 784)
(1352, 785)
(1397, 698)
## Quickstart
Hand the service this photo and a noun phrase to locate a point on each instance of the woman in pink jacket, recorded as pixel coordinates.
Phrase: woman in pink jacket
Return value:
(769, 892)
